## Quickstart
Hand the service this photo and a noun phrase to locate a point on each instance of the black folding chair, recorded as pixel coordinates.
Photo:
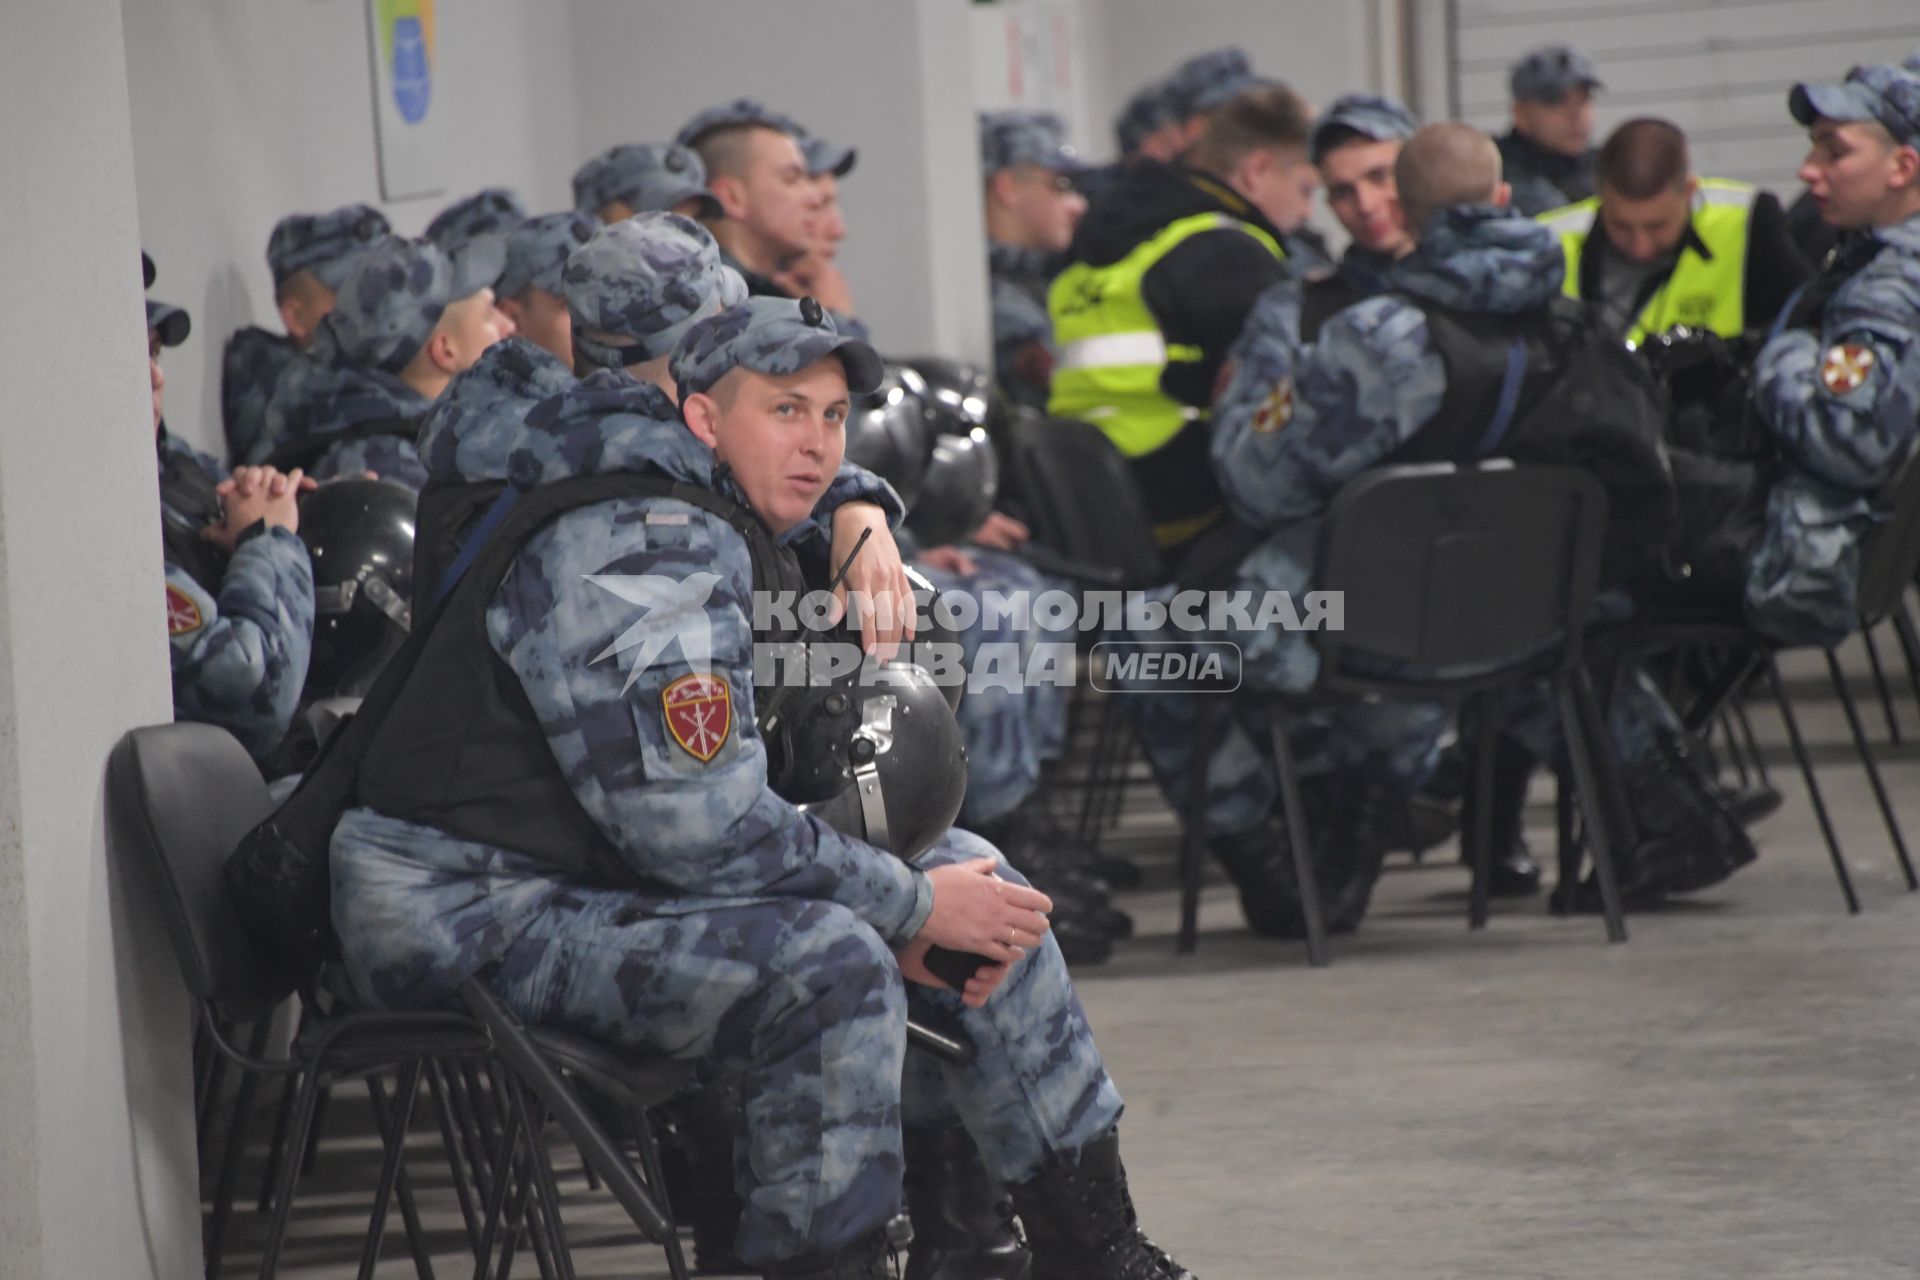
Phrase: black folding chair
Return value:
(179, 798)
(1889, 560)
(1456, 582)
(1086, 507)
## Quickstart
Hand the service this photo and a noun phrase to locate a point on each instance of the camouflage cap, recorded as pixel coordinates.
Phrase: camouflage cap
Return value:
(772, 336)
(825, 157)
(1147, 111)
(327, 244)
(473, 233)
(537, 251)
(1551, 72)
(387, 308)
(1207, 80)
(1022, 137)
(1887, 95)
(651, 177)
(1367, 114)
(165, 321)
(737, 112)
(637, 285)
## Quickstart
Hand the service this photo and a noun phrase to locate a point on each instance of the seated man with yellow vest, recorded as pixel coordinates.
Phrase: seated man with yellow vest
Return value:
(1165, 267)
(1660, 247)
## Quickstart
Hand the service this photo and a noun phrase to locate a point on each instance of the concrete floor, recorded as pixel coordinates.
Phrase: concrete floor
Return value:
(1731, 1094)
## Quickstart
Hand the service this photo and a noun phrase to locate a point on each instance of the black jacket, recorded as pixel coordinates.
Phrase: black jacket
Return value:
(1775, 267)
(1199, 295)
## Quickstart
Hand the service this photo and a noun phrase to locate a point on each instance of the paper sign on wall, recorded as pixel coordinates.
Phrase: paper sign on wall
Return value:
(407, 111)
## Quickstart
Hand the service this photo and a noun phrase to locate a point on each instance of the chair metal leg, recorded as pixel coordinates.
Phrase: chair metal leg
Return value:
(1739, 709)
(1909, 639)
(225, 1188)
(1301, 839)
(311, 1151)
(1566, 842)
(543, 1225)
(1091, 799)
(1879, 684)
(1193, 841)
(1735, 752)
(210, 1102)
(289, 1175)
(1865, 751)
(1480, 838)
(406, 1089)
(403, 1185)
(656, 1178)
(1589, 753)
(1799, 746)
(457, 1160)
(502, 1166)
(277, 1145)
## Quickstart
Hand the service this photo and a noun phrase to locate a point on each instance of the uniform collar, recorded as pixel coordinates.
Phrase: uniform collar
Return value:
(1014, 260)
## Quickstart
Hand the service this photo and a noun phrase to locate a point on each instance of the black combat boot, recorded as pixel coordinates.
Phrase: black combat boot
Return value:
(1688, 839)
(875, 1256)
(1259, 861)
(1080, 1222)
(697, 1136)
(962, 1221)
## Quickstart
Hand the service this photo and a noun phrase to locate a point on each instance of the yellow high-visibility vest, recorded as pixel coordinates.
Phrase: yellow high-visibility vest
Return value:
(1703, 292)
(1110, 351)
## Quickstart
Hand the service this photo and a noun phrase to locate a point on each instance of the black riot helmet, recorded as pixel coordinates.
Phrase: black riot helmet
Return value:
(890, 431)
(359, 534)
(904, 758)
(963, 394)
(962, 481)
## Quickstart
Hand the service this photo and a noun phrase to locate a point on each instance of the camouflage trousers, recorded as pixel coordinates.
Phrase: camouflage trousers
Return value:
(808, 1002)
(1012, 728)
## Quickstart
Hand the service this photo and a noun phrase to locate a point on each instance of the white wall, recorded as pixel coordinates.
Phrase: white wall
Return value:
(244, 112)
(890, 77)
(96, 1111)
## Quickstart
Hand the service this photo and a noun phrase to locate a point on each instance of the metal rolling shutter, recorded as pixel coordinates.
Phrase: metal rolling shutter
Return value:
(1720, 69)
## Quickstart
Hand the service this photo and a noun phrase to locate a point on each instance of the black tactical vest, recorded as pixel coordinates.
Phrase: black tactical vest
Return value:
(461, 749)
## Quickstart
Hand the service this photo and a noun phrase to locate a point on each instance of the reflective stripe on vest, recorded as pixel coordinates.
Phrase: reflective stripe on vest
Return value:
(1111, 350)
(1702, 293)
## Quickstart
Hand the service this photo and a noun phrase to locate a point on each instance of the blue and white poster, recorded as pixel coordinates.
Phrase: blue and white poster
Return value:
(407, 110)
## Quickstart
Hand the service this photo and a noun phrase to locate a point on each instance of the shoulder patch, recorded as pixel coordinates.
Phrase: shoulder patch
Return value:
(1277, 411)
(183, 613)
(698, 709)
(1846, 367)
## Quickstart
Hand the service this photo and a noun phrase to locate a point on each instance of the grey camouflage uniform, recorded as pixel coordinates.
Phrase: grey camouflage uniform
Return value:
(239, 652)
(648, 177)
(327, 244)
(1019, 277)
(1841, 398)
(386, 311)
(773, 953)
(473, 234)
(537, 251)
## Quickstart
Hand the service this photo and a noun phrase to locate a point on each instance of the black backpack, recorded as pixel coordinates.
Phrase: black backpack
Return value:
(1554, 386)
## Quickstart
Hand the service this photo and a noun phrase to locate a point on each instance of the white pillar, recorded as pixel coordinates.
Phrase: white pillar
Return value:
(96, 1117)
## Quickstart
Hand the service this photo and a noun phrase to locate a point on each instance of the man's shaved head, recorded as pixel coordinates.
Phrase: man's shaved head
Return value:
(1444, 165)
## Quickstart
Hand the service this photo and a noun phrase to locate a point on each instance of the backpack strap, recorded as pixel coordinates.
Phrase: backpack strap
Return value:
(1503, 410)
